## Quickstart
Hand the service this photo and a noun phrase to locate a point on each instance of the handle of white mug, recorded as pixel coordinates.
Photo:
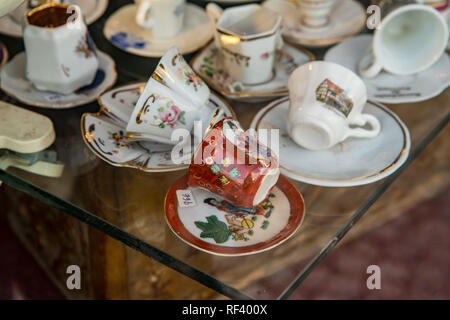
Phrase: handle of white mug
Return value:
(279, 39)
(364, 118)
(141, 14)
(214, 13)
(369, 66)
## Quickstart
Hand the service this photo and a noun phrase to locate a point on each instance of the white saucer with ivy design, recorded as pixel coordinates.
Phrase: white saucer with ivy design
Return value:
(389, 88)
(353, 162)
(205, 221)
(15, 84)
(207, 64)
(123, 32)
(348, 17)
(91, 9)
(105, 132)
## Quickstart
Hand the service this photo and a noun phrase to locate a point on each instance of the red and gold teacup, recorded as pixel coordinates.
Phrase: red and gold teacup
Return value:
(234, 165)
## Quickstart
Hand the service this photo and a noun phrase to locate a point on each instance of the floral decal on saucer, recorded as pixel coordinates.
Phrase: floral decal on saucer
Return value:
(332, 95)
(124, 41)
(241, 221)
(119, 140)
(218, 76)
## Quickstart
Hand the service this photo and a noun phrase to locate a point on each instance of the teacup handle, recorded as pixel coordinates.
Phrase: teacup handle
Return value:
(365, 133)
(214, 12)
(142, 11)
(369, 66)
(279, 39)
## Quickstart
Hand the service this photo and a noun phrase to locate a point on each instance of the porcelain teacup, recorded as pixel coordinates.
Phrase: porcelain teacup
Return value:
(234, 165)
(247, 37)
(61, 56)
(326, 102)
(164, 18)
(173, 98)
(315, 13)
(409, 39)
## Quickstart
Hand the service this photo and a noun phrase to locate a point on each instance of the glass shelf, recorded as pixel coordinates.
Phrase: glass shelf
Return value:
(127, 204)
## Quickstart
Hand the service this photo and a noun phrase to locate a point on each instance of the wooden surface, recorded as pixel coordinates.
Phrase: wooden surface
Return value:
(134, 201)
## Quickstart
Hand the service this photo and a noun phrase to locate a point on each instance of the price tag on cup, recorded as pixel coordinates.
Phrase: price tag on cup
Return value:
(185, 198)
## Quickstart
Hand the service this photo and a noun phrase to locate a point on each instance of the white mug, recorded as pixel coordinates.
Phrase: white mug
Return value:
(173, 98)
(164, 18)
(409, 39)
(326, 99)
(247, 37)
(61, 56)
(315, 13)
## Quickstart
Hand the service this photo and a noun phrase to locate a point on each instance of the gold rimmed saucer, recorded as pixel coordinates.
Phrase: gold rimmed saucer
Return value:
(353, 162)
(104, 132)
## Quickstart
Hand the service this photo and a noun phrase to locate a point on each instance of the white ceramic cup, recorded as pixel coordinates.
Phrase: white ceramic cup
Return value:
(164, 18)
(408, 40)
(61, 56)
(247, 37)
(315, 13)
(174, 98)
(326, 102)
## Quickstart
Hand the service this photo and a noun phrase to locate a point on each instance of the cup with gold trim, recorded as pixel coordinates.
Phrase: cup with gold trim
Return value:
(247, 37)
(175, 97)
(61, 56)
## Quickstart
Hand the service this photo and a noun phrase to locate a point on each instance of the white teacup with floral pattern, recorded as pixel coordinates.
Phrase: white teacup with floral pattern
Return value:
(247, 37)
(174, 98)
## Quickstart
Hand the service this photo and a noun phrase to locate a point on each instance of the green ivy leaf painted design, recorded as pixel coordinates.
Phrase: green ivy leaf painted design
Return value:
(161, 109)
(181, 118)
(214, 229)
(265, 225)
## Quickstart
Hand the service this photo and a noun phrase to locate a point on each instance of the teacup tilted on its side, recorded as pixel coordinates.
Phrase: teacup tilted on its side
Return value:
(61, 56)
(326, 99)
(173, 98)
(234, 165)
(163, 18)
(247, 37)
(409, 39)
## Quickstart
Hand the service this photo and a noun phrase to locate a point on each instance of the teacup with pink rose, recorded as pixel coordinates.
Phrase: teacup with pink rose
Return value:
(174, 98)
